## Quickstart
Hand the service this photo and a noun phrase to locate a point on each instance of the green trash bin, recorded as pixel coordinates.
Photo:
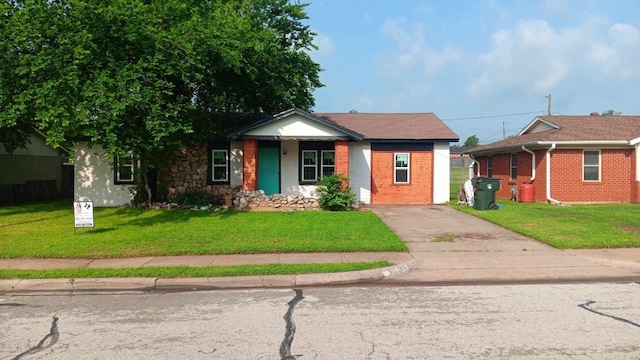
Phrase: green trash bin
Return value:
(484, 189)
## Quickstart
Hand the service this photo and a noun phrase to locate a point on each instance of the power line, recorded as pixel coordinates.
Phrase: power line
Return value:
(492, 116)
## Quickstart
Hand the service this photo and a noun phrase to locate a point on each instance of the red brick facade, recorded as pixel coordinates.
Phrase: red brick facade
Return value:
(342, 157)
(249, 164)
(617, 175)
(420, 187)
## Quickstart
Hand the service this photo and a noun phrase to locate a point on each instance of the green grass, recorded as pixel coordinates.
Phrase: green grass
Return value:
(458, 177)
(193, 272)
(45, 230)
(569, 227)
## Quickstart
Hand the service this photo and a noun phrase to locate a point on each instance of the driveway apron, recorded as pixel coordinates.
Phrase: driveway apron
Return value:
(450, 246)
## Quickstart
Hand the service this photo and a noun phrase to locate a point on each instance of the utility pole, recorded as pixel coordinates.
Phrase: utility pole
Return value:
(504, 134)
(549, 105)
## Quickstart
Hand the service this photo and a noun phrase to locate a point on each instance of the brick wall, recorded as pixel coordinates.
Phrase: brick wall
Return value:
(567, 184)
(617, 181)
(250, 164)
(342, 157)
(418, 191)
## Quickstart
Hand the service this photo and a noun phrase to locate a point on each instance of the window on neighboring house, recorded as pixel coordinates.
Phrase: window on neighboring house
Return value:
(489, 166)
(220, 165)
(591, 165)
(328, 162)
(309, 165)
(125, 170)
(401, 168)
(514, 166)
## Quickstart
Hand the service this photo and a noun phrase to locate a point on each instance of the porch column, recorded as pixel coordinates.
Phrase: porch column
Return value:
(249, 164)
(342, 157)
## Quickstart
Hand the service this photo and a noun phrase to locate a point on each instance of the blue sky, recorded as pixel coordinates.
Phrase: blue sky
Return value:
(468, 59)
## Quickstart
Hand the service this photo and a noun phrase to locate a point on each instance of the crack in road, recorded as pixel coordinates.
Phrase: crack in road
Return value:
(12, 304)
(285, 347)
(53, 335)
(589, 302)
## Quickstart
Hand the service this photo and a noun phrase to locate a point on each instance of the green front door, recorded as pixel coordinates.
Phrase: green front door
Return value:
(269, 170)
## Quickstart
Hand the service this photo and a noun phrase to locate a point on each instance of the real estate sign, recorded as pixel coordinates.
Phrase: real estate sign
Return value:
(83, 214)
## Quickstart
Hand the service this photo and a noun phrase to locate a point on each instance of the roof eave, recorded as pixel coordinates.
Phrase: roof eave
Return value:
(238, 135)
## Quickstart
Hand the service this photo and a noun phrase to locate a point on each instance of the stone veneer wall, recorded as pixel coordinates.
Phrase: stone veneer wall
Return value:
(187, 171)
(248, 199)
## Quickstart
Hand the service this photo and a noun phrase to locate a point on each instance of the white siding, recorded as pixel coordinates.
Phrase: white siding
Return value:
(441, 173)
(235, 164)
(93, 178)
(360, 170)
(295, 126)
(289, 183)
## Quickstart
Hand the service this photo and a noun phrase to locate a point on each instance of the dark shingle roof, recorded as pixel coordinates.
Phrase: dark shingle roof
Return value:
(393, 126)
(574, 129)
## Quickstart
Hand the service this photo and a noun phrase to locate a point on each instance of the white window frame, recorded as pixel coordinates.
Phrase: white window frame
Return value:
(131, 164)
(513, 167)
(225, 165)
(599, 165)
(323, 166)
(314, 166)
(396, 168)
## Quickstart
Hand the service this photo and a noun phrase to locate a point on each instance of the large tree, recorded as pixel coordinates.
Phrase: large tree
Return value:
(472, 141)
(134, 75)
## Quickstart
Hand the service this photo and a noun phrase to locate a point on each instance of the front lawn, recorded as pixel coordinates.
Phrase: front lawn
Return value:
(46, 230)
(569, 227)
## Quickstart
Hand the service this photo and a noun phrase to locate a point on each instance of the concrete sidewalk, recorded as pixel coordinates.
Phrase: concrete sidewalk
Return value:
(446, 247)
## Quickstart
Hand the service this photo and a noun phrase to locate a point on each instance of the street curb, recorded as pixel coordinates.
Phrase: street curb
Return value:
(118, 285)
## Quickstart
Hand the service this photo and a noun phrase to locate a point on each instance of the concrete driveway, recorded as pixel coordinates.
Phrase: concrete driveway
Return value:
(449, 247)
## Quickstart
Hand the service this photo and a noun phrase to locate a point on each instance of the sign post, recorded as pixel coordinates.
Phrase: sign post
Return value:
(83, 215)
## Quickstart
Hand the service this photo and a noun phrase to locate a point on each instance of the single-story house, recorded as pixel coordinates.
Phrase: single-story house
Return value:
(31, 173)
(579, 159)
(397, 158)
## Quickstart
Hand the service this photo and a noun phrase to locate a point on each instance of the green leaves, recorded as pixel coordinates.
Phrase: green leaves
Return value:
(134, 76)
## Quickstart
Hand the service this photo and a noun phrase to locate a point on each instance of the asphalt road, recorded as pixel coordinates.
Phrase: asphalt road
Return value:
(585, 321)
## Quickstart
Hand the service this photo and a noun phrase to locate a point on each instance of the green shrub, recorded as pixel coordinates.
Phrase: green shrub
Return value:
(333, 196)
(194, 198)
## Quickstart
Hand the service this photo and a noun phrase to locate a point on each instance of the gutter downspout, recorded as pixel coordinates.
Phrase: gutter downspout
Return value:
(549, 198)
(533, 162)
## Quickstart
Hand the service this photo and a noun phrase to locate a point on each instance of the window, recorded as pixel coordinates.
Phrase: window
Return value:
(125, 170)
(514, 166)
(317, 159)
(591, 165)
(489, 166)
(401, 168)
(220, 165)
(309, 165)
(328, 162)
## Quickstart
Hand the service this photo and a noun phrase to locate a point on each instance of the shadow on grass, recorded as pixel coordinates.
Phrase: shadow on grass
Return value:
(41, 206)
(164, 216)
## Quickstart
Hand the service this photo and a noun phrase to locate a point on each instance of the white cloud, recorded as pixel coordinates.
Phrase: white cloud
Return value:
(325, 45)
(363, 102)
(413, 51)
(533, 58)
(617, 58)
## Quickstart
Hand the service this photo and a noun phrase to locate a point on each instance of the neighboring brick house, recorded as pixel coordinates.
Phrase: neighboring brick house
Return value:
(568, 159)
(388, 158)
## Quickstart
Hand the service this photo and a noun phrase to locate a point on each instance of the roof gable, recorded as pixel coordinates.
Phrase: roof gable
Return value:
(295, 123)
(574, 130)
(537, 125)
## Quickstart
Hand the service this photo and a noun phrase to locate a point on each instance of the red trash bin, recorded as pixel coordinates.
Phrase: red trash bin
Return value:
(527, 193)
